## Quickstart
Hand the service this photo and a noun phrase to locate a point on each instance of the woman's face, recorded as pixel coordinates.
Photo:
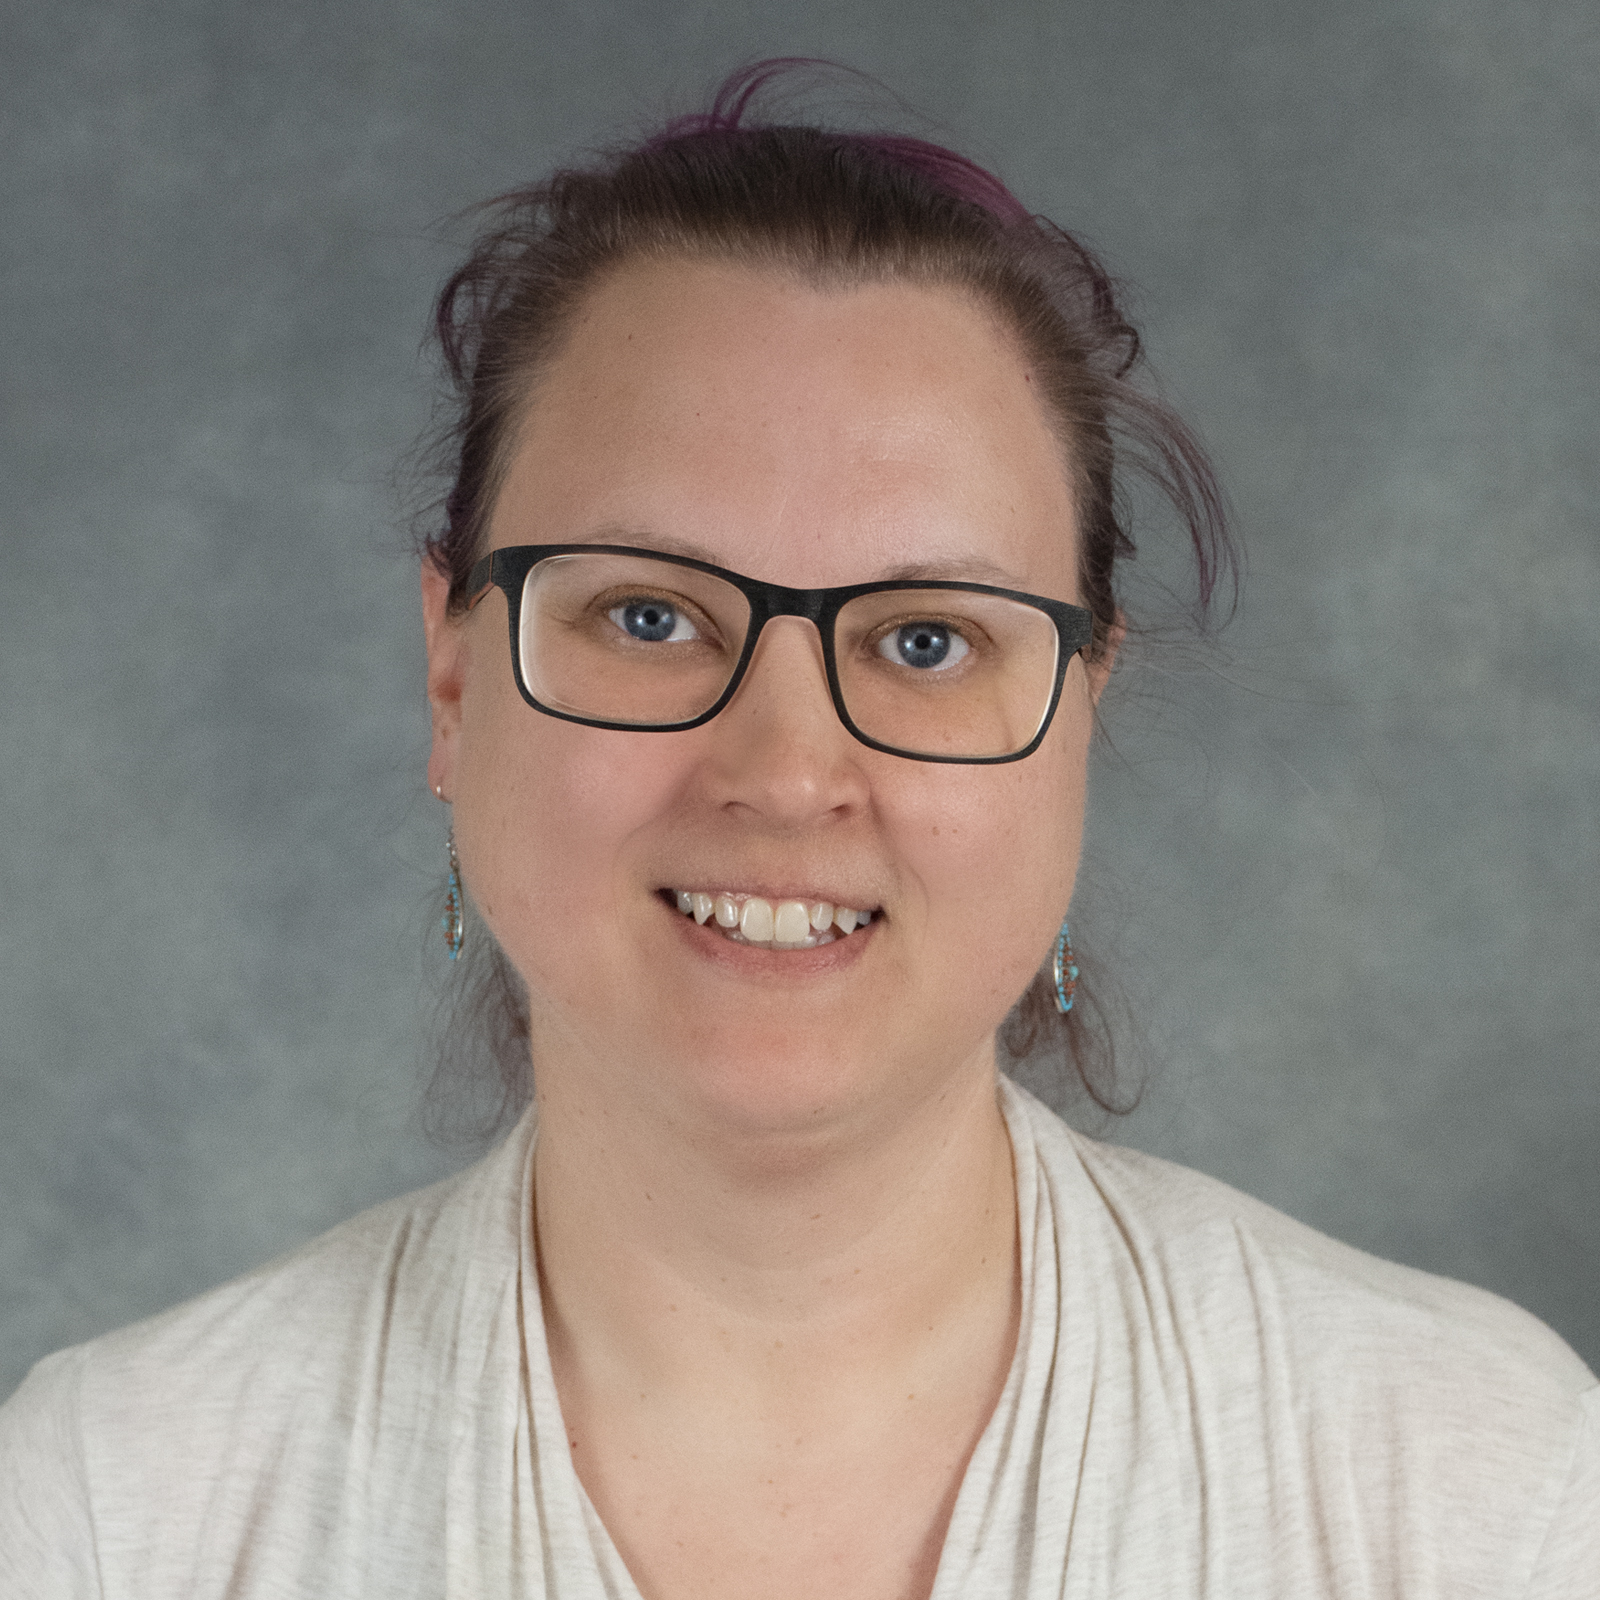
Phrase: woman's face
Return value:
(808, 437)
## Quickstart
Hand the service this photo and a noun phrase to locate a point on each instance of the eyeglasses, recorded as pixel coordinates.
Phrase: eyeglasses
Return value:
(615, 637)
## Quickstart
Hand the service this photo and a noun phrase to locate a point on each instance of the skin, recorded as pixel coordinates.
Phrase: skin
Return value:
(774, 1193)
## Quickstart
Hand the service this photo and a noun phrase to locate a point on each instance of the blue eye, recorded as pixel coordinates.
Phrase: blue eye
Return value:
(928, 646)
(653, 622)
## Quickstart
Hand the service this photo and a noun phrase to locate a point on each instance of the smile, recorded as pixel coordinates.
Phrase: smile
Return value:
(784, 925)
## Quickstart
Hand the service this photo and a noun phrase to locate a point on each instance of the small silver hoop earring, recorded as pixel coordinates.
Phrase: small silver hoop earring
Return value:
(1065, 972)
(453, 921)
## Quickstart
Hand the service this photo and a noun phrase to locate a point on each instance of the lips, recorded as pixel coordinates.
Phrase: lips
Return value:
(770, 924)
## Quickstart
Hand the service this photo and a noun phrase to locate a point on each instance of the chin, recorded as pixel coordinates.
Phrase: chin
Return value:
(757, 1086)
(808, 1085)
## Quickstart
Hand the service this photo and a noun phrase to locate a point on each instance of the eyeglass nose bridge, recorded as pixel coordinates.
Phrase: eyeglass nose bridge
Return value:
(771, 601)
(775, 600)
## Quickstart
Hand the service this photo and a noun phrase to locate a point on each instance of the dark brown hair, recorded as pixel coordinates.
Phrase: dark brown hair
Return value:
(837, 209)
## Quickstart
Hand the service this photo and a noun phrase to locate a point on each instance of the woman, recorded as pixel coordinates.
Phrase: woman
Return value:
(786, 468)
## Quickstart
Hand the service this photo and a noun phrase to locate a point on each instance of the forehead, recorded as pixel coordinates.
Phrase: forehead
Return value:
(802, 434)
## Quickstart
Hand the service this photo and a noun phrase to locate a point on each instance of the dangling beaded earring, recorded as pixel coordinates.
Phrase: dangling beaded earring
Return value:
(1065, 971)
(453, 921)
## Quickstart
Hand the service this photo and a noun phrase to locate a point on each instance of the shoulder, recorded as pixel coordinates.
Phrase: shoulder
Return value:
(1387, 1403)
(46, 1526)
(380, 1280)
(274, 1385)
(1225, 1257)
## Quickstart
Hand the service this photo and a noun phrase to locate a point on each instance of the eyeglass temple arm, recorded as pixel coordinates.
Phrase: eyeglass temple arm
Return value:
(479, 580)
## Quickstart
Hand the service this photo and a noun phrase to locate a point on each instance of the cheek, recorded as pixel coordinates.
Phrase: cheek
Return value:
(544, 814)
(995, 853)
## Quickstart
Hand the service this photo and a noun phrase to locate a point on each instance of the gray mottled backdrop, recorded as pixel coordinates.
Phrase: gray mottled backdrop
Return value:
(1347, 867)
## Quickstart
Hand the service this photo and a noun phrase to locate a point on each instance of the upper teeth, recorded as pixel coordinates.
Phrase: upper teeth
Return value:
(786, 925)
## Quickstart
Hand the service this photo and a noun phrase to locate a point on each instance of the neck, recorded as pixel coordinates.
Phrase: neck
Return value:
(700, 1258)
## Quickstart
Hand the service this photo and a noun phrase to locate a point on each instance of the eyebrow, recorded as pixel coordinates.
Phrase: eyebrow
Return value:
(961, 569)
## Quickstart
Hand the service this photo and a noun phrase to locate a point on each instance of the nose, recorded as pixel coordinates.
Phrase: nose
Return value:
(778, 748)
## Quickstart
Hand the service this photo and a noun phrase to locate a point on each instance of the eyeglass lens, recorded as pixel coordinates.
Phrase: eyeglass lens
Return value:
(630, 639)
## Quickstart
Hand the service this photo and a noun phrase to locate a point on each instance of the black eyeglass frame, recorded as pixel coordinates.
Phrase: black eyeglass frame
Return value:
(507, 569)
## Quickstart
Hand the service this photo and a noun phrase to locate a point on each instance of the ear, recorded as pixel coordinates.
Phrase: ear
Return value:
(1100, 667)
(446, 671)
